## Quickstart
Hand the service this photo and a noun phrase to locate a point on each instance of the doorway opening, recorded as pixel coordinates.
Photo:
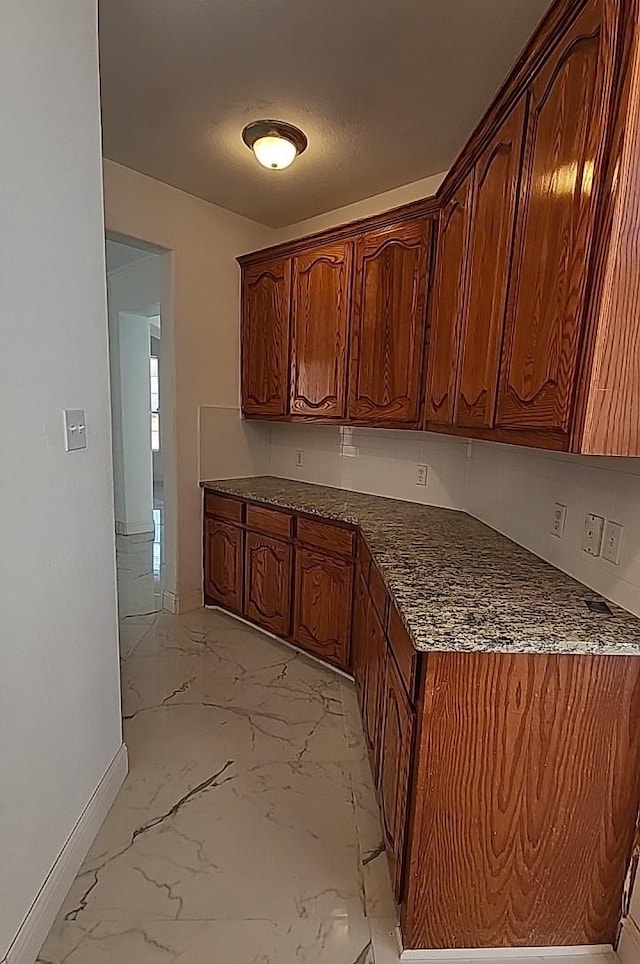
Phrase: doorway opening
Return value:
(137, 286)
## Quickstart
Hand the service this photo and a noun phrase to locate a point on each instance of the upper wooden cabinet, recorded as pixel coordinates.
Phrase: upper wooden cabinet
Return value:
(388, 324)
(320, 328)
(532, 334)
(497, 175)
(266, 292)
(448, 304)
(549, 277)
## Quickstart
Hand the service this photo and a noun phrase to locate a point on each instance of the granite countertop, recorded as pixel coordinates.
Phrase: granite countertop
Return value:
(459, 585)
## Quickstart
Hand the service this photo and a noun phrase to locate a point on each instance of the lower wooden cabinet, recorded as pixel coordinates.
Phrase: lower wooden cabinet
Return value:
(397, 736)
(268, 564)
(322, 605)
(375, 646)
(496, 773)
(359, 630)
(223, 563)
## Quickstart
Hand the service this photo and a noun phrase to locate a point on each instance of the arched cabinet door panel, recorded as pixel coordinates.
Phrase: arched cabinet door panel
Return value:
(388, 323)
(321, 295)
(322, 606)
(266, 290)
(268, 564)
(563, 159)
(223, 564)
(492, 229)
(448, 305)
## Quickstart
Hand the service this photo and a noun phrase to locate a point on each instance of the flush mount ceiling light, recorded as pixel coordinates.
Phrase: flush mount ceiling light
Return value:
(275, 143)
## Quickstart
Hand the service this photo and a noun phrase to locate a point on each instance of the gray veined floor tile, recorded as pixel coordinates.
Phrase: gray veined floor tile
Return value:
(220, 942)
(266, 841)
(247, 830)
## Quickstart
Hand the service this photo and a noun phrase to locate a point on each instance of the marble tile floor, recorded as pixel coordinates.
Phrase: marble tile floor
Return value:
(247, 830)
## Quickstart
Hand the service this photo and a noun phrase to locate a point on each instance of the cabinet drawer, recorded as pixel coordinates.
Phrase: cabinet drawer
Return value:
(270, 521)
(404, 652)
(378, 592)
(324, 535)
(223, 507)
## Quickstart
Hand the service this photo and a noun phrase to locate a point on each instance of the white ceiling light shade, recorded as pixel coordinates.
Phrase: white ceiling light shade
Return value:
(275, 144)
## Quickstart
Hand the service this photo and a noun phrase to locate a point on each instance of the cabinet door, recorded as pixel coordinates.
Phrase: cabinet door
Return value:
(391, 274)
(268, 564)
(321, 287)
(265, 337)
(359, 633)
(561, 175)
(395, 770)
(322, 607)
(492, 228)
(373, 686)
(448, 305)
(223, 564)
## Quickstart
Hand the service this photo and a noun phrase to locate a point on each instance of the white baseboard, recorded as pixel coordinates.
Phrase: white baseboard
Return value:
(135, 528)
(176, 602)
(493, 953)
(44, 910)
(629, 943)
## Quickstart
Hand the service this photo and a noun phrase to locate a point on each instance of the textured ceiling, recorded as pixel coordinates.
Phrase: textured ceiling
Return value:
(386, 90)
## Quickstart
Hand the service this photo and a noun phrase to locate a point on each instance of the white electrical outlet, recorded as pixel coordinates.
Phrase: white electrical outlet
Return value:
(299, 458)
(422, 475)
(559, 519)
(612, 542)
(592, 534)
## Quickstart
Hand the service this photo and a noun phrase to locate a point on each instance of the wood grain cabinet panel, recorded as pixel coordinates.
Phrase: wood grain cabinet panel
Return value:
(321, 291)
(375, 647)
(388, 324)
(561, 176)
(395, 770)
(492, 227)
(448, 305)
(524, 822)
(268, 569)
(322, 605)
(265, 337)
(223, 563)
(359, 632)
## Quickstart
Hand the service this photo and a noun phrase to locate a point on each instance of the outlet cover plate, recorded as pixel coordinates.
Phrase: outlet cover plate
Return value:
(559, 520)
(612, 542)
(422, 475)
(592, 534)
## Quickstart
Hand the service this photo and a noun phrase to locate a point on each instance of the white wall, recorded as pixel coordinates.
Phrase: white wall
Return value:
(134, 504)
(379, 461)
(514, 490)
(362, 209)
(59, 688)
(132, 289)
(200, 332)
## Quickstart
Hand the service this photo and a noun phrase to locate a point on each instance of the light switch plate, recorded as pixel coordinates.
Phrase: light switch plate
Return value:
(75, 429)
(612, 542)
(592, 534)
(299, 458)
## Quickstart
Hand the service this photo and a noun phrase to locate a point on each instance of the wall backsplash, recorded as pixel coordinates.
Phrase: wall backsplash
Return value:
(514, 490)
(370, 460)
(511, 489)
